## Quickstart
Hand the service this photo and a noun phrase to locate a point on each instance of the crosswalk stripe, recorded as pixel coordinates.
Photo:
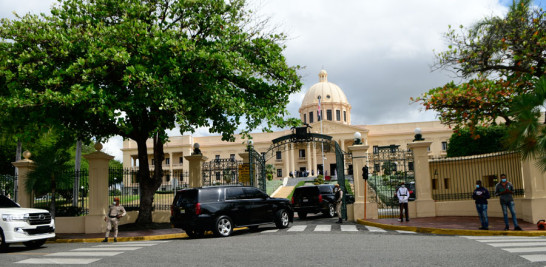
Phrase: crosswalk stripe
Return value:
(84, 254)
(534, 258)
(297, 228)
(271, 231)
(375, 229)
(498, 237)
(108, 249)
(510, 240)
(143, 242)
(405, 232)
(125, 245)
(524, 250)
(323, 228)
(349, 228)
(58, 261)
(524, 244)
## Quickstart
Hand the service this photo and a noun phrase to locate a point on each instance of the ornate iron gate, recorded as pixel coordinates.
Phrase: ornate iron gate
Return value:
(221, 172)
(7, 185)
(389, 166)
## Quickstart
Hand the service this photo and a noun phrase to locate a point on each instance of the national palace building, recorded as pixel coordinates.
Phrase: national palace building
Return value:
(298, 157)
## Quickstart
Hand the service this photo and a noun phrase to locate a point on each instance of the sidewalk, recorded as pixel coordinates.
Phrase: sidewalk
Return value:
(455, 225)
(432, 225)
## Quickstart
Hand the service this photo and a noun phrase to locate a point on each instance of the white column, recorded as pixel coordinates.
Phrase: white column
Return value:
(308, 157)
(315, 158)
(286, 161)
(292, 159)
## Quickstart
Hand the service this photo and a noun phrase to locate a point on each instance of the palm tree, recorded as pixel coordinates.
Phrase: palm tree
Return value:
(527, 134)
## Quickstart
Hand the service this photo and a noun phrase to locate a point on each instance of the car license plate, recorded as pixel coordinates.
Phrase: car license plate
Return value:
(305, 200)
(182, 211)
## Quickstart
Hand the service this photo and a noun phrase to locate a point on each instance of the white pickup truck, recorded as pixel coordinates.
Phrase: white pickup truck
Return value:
(32, 227)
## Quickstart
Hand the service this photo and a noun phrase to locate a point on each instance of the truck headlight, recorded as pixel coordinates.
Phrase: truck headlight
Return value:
(15, 217)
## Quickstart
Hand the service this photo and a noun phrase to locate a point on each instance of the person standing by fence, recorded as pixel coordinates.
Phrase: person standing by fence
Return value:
(480, 196)
(403, 197)
(339, 201)
(115, 212)
(505, 189)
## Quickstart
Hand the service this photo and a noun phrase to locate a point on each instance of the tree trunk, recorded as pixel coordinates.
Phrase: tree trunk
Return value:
(148, 185)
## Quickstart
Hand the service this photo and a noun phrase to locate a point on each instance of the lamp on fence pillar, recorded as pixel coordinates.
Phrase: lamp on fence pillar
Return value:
(418, 135)
(358, 140)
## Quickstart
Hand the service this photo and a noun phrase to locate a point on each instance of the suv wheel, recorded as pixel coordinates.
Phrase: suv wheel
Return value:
(192, 233)
(281, 219)
(223, 226)
(302, 215)
(34, 243)
(331, 211)
(3, 244)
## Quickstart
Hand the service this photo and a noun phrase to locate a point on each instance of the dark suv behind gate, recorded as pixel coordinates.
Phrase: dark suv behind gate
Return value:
(314, 199)
(221, 208)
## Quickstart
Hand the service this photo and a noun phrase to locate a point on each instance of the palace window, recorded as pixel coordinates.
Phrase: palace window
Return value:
(302, 153)
(338, 115)
(279, 155)
(319, 116)
(345, 116)
(434, 184)
(304, 118)
(181, 160)
(310, 117)
(446, 183)
(444, 146)
(376, 149)
(279, 172)
(153, 162)
(168, 161)
(232, 157)
(329, 114)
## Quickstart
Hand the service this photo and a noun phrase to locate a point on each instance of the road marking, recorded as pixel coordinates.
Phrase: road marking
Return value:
(126, 245)
(524, 250)
(349, 228)
(143, 242)
(271, 231)
(297, 228)
(497, 237)
(524, 244)
(323, 228)
(108, 249)
(58, 261)
(534, 258)
(28, 253)
(375, 229)
(405, 232)
(509, 240)
(84, 254)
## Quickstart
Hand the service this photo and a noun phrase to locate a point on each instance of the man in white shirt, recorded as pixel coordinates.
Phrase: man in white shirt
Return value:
(403, 195)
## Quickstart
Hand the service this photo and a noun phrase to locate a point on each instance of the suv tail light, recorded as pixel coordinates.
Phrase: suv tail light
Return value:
(411, 192)
(197, 208)
(172, 210)
(292, 200)
(320, 198)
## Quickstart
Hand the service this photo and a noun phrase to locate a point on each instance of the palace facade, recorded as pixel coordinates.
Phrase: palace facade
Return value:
(300, 157)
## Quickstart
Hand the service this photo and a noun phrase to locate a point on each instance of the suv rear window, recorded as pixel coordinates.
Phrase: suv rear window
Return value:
(306, 191)
(186, 197)
(325, 189)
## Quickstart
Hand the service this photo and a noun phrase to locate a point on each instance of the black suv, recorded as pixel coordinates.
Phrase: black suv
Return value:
(221, 208)
(314, 199)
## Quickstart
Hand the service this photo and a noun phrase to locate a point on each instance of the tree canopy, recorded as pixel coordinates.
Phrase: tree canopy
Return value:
(499, 57)
(137, 68)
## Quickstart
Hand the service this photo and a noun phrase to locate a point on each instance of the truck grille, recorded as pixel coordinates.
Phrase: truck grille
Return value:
(40, 230)
(39, 218)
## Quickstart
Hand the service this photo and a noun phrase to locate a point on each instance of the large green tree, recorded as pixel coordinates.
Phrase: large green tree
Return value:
(137, 68)
(499, 57)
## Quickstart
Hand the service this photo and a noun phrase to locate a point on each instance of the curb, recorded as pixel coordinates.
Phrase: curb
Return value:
(120, 239)
(441, 231)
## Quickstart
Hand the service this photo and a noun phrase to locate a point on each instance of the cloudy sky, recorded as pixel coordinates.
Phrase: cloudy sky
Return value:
(379, 52)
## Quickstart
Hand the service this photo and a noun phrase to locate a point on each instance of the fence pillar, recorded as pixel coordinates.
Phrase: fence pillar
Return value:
(24, 166)
(98, 190)
(246, 160)
(534, 201)
(196, 169)
(360, 157)
(424, 204)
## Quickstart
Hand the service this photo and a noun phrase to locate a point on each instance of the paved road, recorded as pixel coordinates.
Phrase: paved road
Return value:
(311, 242)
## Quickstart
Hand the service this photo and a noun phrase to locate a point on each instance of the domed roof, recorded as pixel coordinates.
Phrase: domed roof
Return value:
(328, 91)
